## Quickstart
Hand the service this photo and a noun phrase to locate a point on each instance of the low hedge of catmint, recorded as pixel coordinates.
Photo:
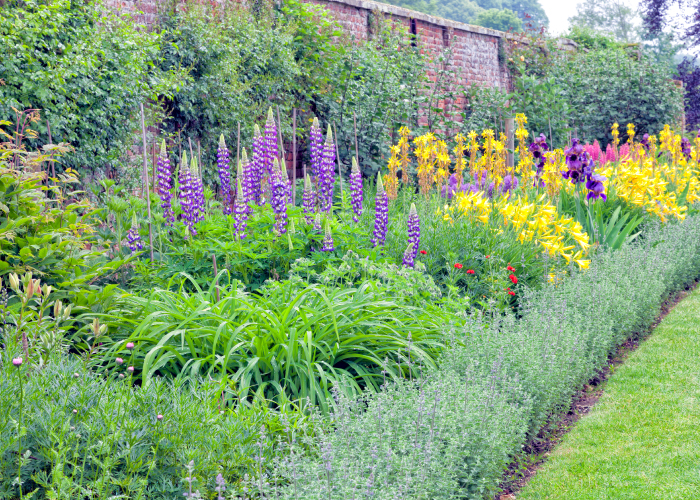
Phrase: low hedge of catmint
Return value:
(452, 432)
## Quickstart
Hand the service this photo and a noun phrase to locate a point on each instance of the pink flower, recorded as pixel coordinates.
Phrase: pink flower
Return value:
(119, 361)
(17, 361)
(130, 369)
(130, 345)
(159, 417)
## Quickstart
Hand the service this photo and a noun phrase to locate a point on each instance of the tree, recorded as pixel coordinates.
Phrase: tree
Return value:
(503, 20)
(530, 11)
(611, 17)
(689, 73)
(684, 17)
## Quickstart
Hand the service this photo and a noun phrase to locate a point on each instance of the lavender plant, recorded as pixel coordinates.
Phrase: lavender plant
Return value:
(222, 163)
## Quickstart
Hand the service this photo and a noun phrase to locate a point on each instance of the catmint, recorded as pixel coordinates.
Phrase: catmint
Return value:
(279, 199)
(133, 236)
(165, 184)
(413, 224)
(308, 200)
(356, 190)
(220, 487)
(381, 214)
(240, 213)
(222, 163)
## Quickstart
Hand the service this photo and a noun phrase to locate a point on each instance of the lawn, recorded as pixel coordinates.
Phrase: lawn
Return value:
(641, 440)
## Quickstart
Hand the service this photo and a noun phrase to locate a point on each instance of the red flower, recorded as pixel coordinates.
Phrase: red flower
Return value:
(510, 268)
(513, 278)
(511, 292)
(488, 256)
(470, 271)
(423, 252)
(458, 266)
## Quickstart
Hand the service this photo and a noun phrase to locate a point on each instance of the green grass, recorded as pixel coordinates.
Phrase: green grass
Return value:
(642, 440)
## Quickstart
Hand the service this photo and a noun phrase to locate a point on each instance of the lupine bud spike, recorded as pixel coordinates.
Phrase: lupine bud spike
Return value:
(270, 115)
(329, 135)
(222, 142)
(162, 148)
(380, 185)
(183, 160)
(244, 157)
(275, 165)
(239, 171)
(289, 241)
(194, 169)
(240, 189)
(283, 168)
(256, 131)
(315, 123)
(355, 166)
(412, 210)
(307, 182)
(134, 222)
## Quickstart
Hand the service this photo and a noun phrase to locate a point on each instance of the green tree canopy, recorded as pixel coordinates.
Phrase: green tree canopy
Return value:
(503, 20)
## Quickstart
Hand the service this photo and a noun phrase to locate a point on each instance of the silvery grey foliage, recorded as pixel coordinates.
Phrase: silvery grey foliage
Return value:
(451, 433)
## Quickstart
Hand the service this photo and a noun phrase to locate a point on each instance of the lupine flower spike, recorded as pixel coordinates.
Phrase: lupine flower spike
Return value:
(222, 163)
(317, 223)
(240, 212)
(197, 191)
(316, 149)
(408, 256)
(326, 177)
(356, 190)
(270, 143)
(328, 245)
(133, 236)
(308, 200)
(413, 231)
(186, 196)
(279, 199)
(165, 184)
(381, 214)
(257, 166)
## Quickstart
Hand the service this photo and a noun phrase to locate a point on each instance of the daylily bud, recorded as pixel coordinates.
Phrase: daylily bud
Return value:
(66, 311)
(57, 308)
(96, 327)
(37, 287)
(14, 282)
(47, 291)
(29, 289)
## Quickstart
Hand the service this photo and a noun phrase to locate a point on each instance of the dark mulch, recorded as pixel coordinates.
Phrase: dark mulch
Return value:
(537, 450)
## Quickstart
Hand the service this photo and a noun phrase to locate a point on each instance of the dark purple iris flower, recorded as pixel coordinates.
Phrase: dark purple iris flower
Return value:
(579, 165)
(595, 187)
(685, 148)
(645, 142)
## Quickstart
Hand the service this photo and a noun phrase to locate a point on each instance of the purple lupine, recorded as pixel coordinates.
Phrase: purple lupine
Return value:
(326, 176)
(308, 200)
(278, 199)
(245, 175)
(257, 165)
(328, 244)
(222, 162)
(186, 196)
(133, 236)
(413, 224)
(356, 190)
(240, 212)
(316, 149)
(510, 183)
(381, 214)
(285, 178)
(317, 223)
(270, 143)
(165, 184)
(197, 191)
(409, 257)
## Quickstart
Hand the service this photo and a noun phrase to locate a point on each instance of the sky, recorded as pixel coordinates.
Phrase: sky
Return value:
(559, 12)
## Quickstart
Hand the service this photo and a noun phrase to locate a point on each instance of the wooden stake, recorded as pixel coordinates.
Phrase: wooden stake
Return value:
(216, 272)
(199, 160)
(337, 157)
(53, 167)
(357, 151)
(155, 142)
(145, 174)
(294, 156)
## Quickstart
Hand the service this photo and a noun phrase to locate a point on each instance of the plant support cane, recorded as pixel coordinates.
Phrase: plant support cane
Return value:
(145, 179)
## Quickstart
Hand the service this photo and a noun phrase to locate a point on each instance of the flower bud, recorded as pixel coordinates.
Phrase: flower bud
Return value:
(96, 327)
(14, 282)
(17, 362)
(159, 417)
(57, 309)
(66, 311)
(29, 289)
(37, 287)
(119, 361)
(130, 369)
(130, 345)
(47, 289)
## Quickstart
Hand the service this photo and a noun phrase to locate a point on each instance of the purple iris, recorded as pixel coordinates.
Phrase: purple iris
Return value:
(538, 148)
(381, 214)
(645, 142)
(578, 164)
(685, 148)
(595, 187)
(308, 200)
(222, 162)
(165, 184)
(356, 190)
(413, 224)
